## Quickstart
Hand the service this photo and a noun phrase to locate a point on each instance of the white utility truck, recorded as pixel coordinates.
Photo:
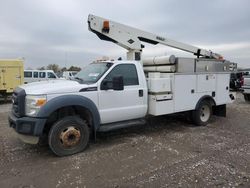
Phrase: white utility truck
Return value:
(109, 95)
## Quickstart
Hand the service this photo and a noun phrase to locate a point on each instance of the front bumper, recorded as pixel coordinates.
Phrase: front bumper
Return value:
(27, 125)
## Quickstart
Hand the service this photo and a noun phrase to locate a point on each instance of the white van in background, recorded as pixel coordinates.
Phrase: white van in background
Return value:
(38, 75)
(69, 75)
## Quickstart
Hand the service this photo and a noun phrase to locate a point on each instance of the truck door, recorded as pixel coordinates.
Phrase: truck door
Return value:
(126, 104)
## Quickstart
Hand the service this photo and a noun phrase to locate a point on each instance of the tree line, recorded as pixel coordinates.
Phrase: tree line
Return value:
(56, 68)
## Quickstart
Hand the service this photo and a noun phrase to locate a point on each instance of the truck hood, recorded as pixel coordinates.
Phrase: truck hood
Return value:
(53, 87)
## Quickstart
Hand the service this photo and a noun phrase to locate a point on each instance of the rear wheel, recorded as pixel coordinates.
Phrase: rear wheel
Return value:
(202, 114)
(68, 136)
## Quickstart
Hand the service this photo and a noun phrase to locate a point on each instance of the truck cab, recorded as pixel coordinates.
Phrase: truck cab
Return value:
(117, 86)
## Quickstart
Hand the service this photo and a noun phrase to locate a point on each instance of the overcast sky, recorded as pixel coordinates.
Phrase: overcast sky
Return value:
(56, 31)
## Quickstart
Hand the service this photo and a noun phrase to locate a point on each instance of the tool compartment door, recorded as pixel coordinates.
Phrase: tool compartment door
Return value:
(206, 83)
(2, 86)
(12, 78)
(222, 89)
(184, 92)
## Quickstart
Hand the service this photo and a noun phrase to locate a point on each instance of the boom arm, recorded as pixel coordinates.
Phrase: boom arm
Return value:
(130, 38)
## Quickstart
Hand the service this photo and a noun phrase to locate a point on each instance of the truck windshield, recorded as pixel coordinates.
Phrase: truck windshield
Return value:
(93, 72)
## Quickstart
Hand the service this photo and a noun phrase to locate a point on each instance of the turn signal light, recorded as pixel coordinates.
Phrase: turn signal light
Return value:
(40, 102)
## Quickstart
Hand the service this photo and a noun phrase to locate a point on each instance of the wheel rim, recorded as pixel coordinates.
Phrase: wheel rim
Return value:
(205, 113)
(70, 137)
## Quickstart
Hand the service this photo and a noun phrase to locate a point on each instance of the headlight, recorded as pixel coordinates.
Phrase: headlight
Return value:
(33, 103)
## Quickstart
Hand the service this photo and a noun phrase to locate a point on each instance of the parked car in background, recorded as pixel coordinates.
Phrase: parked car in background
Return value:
(246, 73)
(38, 75)
(236, 80)
(69, 75)
(246, 88)
(59, 74)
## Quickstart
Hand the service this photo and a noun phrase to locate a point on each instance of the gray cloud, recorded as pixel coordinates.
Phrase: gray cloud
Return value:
(47, 32)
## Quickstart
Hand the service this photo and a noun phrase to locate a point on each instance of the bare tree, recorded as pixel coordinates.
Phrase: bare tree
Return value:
(53, 67)
(73, 68)
(41, 68)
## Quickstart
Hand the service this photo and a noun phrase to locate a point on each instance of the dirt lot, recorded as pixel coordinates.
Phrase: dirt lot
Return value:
(169, 152)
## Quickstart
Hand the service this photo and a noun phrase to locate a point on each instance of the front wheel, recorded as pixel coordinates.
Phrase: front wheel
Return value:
(202, 114)
(68, 136)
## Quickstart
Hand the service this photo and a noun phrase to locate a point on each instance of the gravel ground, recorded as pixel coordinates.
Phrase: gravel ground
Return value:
(168, 152)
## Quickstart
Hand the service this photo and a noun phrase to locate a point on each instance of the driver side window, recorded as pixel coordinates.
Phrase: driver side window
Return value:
(127, 71)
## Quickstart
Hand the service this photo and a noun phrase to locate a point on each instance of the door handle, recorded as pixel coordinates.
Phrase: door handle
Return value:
(140, 93)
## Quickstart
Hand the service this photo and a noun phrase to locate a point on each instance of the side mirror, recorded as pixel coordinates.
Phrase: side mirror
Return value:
(118, 84)
(104, 85)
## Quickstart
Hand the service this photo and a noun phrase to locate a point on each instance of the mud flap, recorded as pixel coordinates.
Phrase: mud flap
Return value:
(220, 110)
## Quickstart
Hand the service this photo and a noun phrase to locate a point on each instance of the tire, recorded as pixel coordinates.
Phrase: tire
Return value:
(68, 136)
(247, 97)
(202, 114)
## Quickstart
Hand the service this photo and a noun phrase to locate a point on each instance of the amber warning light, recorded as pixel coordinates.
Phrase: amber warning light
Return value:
(221, 58)
(105, 28)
